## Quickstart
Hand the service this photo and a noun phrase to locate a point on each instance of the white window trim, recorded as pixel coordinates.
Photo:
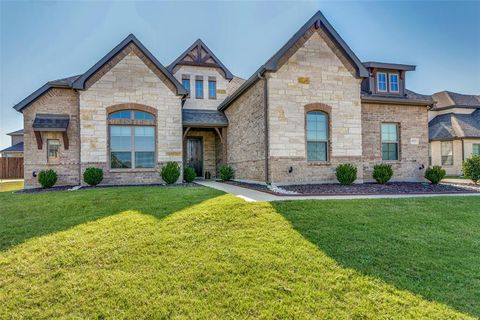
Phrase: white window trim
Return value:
(378, 82)
(390, 82)
(441, 153)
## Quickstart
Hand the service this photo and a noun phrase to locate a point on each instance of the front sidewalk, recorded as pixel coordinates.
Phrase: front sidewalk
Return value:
(251, 195)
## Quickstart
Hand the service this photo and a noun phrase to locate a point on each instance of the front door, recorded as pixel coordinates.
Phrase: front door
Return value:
(195, 155)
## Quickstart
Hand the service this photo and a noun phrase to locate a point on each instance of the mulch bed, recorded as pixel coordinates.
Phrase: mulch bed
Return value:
(65, 188)
(402, 188)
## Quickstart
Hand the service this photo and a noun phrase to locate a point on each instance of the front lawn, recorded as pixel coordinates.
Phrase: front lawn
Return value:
(6, 185)
(149, 252)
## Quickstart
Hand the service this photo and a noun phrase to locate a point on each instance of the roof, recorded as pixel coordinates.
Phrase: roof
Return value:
(448, 100)
(451, 125)
(318, 20)
(393, 66)
(18, 147)
(51, 122)
(197, 117)
(80, 82)
(410, 97)
(198, 54)
(16, 133)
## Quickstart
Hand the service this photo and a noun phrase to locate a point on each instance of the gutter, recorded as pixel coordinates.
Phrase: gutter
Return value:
(385, 100)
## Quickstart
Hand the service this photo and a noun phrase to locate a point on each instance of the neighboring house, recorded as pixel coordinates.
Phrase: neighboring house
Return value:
(16, 146)
(454, 130)
(310, 107)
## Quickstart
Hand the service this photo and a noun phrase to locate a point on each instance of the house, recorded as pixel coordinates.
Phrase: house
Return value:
(16, 146)
(454, 130)
(310, 107)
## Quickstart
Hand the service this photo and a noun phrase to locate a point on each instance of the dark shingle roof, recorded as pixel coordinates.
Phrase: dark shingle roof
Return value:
(410, 97)
(452, 125)
(464, 99)
(15, 148)
(54, 122)
(448, 100)
(214, 118)
(68, 82)
(16, 133)
(385, 65)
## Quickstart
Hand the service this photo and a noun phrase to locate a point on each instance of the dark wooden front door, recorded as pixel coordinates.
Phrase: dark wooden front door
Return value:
(195, 155)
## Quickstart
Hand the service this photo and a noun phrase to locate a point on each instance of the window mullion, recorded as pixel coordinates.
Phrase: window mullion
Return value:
(132, 146)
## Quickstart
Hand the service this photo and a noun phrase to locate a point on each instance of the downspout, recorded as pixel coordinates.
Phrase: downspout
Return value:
(79, 127)
(265, 116)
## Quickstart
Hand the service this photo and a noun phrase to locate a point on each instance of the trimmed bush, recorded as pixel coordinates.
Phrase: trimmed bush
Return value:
(382, 173)
(471, 168)
(226, 173)
(346, 174)
(170, 172)
(434, 174)
(93, 176)
(189, 174)
(47, 178)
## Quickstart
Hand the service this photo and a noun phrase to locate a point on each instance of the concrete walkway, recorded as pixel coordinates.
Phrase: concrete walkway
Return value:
(254, 195)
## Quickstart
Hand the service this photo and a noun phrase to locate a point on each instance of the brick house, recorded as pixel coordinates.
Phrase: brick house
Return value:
(310, 107)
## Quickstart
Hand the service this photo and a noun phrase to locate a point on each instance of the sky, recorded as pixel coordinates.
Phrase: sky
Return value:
(42, 41)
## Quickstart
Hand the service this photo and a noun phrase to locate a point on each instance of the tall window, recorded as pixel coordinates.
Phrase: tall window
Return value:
(212, 89)
(199, 88)
(393, 82)
(447, 153)
(132, 139)
(382, 82)
(476, 149)
(186, 83)
(317, 136)
(390, 142)
(53, 147)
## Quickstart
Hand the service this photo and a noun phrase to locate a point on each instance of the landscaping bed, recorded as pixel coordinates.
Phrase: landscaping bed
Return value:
(364, 188)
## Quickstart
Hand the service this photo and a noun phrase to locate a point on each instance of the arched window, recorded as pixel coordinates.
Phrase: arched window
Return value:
(317, 136)
(131, 139)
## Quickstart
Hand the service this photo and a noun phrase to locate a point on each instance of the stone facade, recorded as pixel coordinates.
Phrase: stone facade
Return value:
(413, 124)
(314, 73)
(246, 134)
(209, 149)
(67, 166)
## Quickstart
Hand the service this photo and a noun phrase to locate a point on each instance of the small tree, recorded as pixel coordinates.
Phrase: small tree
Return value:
(471, 168)
(189, 174)
(382, 173)
(346, 174)
(435, 174)
(47, 178)
(170, 172)
(93, 176)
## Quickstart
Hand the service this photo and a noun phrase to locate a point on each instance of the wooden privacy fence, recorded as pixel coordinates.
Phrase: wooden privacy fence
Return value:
(11, 168)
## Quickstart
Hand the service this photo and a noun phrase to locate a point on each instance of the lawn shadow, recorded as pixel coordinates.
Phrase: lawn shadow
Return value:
(426, 246)
(25, 216)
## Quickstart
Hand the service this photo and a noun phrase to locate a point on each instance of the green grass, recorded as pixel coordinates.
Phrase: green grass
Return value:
(148, 253)
(11, 186)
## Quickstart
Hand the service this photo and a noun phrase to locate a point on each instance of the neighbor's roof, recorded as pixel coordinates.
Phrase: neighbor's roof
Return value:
(18, 147)
(16, 133)
(51, 122)
(410, 97)
(78, 82)
(318, 20)
(451, 125)
(193, 56)
(196, 117)
(393, 66)
(448, 100)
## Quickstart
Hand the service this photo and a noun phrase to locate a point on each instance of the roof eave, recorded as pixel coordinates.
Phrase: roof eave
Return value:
(386, 100)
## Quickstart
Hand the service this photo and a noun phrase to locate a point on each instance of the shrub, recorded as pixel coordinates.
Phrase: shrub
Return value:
(435, 174)
(47, 178)
(170, 172)
(471, 168)
(226, 173)
(346, 174)
(93, 176)
(382, 173)
(189, 174)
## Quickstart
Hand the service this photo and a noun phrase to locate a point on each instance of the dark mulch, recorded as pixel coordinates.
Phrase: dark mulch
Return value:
(366, 188)
(64, 188)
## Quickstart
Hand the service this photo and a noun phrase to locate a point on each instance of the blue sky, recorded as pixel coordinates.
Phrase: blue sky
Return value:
(41, 41)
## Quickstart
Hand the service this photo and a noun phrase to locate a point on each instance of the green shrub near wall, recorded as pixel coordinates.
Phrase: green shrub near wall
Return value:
(170, 172)
(47, 178)
(93, 176)
(346, 173)
(226, 173)
(382, 173)
(435, 174)
(471, 168)
(189, 174)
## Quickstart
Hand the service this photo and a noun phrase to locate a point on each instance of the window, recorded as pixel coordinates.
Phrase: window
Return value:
(53, 146)
(429, 153)
(186, 83)
(382, 82)
(476, 149)
(317, 136)
(390, 141)
(132, 146)
(212, 89)
(199, 88)
(393, 82)
(447, 153)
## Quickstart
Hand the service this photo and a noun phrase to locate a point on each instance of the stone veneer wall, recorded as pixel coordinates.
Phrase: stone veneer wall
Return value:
(130, 80)
(246, 134)
(54, 101)
(313, 72)
(209, 152)
(413, 125)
